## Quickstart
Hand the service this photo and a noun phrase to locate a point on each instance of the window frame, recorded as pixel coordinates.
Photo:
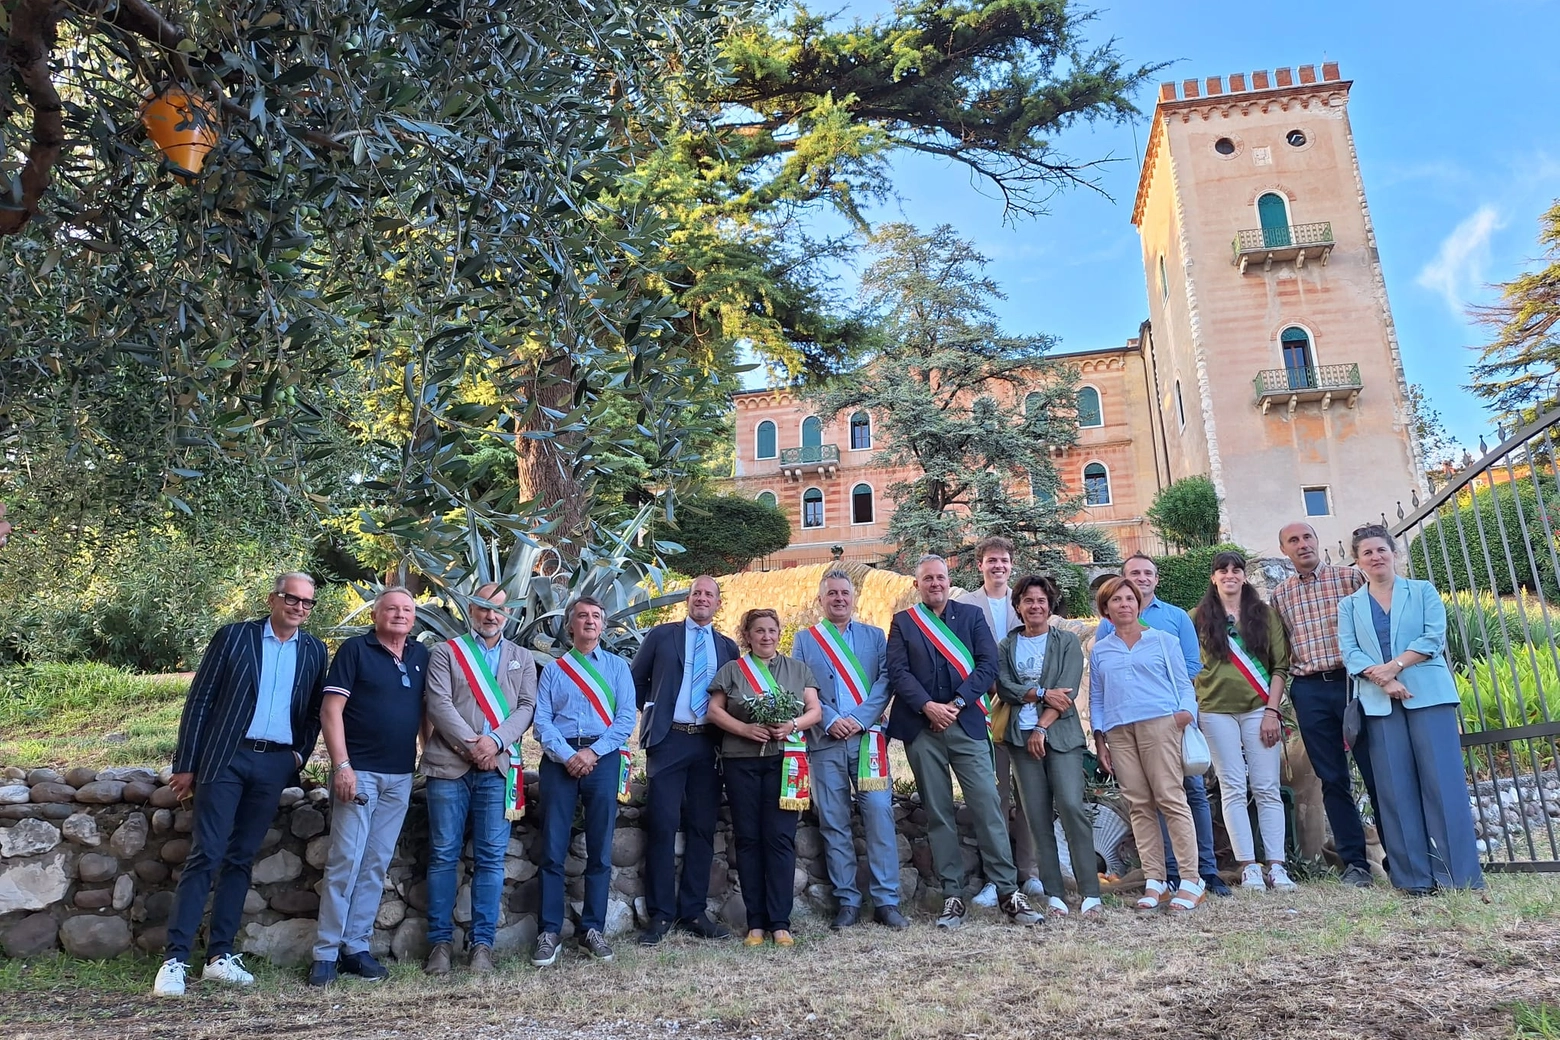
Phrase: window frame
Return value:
(774, 499)
(801, 430)
(758, 433)
(850, 429)
(1326, 492)
(1109, 495)
(1099, 405)
(871, 504)
(823, 516)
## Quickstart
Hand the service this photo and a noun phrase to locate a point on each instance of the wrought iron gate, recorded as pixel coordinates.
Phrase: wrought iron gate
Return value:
(1487, 540)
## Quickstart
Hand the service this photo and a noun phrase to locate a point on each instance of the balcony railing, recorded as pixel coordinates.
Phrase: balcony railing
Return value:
(1320, 383)
(823, 459)
(1296, 242)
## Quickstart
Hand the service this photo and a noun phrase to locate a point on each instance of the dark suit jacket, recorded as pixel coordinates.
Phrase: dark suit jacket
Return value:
(912, 665)
(221, 701)
(658, 676)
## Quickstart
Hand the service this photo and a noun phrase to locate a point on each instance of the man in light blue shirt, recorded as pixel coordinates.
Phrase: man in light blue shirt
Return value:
(1141, 571)
(272, 720)
(833, 757)
(581, 764)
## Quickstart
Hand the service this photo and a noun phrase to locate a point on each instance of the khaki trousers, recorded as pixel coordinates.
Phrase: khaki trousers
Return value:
(1146, 758)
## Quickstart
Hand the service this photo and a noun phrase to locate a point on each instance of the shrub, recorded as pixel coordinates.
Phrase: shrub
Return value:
(1521, 689)
(1476, 524)
(1186, 513)
(1184, 578)
(722, 534)
(1480, 625)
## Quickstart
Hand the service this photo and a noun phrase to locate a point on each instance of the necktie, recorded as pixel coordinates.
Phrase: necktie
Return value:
(699, 685)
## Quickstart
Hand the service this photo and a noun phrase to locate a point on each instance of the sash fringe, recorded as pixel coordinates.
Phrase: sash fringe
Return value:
(798, 804)
(874, 783)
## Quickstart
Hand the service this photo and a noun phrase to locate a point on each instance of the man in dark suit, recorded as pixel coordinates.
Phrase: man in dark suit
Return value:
(941, 660)
(250, 721)
(672, 674)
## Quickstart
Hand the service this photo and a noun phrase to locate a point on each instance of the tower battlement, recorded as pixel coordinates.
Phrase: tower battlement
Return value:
(1241, 83)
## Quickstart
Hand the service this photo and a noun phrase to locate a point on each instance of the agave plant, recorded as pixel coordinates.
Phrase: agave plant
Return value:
(539, 584)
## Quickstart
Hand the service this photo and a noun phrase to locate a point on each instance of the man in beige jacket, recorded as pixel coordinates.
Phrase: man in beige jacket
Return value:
(481, 694)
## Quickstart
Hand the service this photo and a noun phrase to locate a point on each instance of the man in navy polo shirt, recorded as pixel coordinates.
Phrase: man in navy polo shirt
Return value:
(371, 716)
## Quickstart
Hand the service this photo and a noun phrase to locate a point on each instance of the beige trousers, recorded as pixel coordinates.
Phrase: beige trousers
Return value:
(1146, 758)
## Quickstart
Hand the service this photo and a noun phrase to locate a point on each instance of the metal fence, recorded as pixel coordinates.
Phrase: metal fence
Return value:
(1487, 540)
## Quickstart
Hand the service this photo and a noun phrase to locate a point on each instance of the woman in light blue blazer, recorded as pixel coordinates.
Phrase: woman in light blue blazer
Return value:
(1393, 636)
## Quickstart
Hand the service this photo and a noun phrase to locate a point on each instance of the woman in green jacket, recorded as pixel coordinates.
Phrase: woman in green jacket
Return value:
(1039, 678)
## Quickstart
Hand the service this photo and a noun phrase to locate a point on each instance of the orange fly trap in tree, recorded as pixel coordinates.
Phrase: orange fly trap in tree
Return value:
(183, 127)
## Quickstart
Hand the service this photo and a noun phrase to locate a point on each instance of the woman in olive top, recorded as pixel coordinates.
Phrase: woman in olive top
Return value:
(1240, 690)
(1039, 678)
(754, 760)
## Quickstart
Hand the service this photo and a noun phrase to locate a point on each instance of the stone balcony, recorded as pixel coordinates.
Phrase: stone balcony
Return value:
(1295, 386)
(822, 459)
(1297, 242)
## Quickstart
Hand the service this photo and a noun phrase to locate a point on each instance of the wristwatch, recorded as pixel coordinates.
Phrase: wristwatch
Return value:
(959, 702)
(1041, 730)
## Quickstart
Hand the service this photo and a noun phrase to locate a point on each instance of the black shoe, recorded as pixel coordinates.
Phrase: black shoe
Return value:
(703, 927)
(364, 966)
(846, 918)
(1173, 882)
(890, 917)
(322, 973)
(1216, 885)
(653, 935)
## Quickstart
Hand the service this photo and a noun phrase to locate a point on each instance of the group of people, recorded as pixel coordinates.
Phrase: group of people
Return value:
(777, 733)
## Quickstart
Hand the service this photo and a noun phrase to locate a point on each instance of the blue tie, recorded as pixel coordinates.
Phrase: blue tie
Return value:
(699, 686)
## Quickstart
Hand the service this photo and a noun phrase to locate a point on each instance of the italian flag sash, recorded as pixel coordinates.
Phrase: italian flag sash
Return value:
(872, 760)
(472, 663)
(598, 693)
(795, 782)
(1248, 665)
(950, 646)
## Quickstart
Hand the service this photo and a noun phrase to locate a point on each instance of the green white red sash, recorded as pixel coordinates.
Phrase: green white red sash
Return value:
(795, 782)
(598, 693)
(1248, 665)
(950, 646)
(489, 696)
(872, 759)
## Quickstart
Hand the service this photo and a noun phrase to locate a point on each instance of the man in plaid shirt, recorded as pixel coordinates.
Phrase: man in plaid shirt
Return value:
(1308, 602)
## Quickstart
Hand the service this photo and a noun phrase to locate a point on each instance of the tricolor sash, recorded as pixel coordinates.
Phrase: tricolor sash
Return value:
(872, 759)
(472, 662)
(1248, 665)
(950, 646)
(795, 782)
(598, 693)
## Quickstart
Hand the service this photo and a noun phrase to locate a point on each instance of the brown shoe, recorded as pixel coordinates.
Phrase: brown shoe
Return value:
(482, 959)
(438, 962)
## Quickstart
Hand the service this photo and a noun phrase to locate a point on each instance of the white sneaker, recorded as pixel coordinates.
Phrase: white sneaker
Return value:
(986, 896)
(1251, 878)
(228, 968)
(170, 978)
(1033, 889)
(1282, 882)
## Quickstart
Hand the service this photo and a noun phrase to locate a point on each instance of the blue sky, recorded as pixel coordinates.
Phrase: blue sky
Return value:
(1455, 112)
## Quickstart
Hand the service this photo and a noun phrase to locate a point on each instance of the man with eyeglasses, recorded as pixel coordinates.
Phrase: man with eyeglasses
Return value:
(250, 721)
(371, 715)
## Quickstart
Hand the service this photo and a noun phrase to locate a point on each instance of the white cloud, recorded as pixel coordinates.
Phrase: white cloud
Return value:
(1458, 269)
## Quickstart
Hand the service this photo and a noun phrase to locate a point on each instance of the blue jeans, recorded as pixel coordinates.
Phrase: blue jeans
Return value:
(1319, 706)
(478, 795)
(559, 794)
(833, 772)
(1202, 819)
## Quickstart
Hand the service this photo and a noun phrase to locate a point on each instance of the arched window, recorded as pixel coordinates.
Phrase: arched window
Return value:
(1089, 413)
(1096, 485)
(812, 432)
(767, 498)
(861, 504)
(860, 431)
(1038, 492)
(764, 441)
(1273, 213)
(1033, 402)
(1299, 362)
(812, 508)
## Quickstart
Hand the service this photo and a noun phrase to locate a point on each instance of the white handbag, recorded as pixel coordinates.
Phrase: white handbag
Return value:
(1195, 755)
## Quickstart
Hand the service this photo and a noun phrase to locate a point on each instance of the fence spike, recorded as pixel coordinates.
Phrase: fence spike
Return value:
(1327, 557)
(1401, 514)
(1383, 519)
(1484, 449)
(1413, 498)
(1340, 550)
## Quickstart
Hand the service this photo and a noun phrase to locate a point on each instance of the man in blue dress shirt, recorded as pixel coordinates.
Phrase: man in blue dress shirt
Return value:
(250, 720)
(833, 757)
(1141, 571)
(575, 697)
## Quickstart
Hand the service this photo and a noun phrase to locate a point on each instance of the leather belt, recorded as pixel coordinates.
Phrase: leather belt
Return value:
(264, 747)
(578, 743)
(689, 727)
(1330, 675)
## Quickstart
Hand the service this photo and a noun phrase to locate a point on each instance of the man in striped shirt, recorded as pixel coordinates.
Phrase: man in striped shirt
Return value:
(1308, 602)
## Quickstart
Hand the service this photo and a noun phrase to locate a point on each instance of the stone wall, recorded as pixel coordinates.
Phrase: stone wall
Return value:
(89, 861)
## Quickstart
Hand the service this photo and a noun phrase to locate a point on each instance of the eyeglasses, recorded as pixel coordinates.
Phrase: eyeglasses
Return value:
(406, 680)
(297, 601)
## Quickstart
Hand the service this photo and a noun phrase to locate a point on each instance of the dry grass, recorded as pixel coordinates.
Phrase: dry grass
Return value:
(1326, 962)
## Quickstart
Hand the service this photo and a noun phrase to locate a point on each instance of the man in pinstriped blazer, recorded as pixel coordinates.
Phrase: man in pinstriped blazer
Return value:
(250, 722)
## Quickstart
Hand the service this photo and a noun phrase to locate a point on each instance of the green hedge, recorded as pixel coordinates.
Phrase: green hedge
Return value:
(1451, 550)
(1184, 578)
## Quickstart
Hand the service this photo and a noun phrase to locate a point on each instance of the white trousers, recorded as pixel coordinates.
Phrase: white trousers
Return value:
(1240, 761)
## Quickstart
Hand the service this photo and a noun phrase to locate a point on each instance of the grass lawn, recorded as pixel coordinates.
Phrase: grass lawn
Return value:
(1324, 962)
(88, 715)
